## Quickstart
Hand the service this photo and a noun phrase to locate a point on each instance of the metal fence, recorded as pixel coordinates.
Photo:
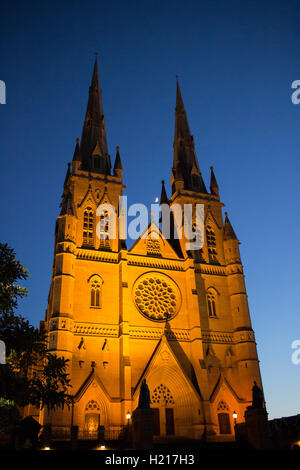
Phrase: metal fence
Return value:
(85, 435)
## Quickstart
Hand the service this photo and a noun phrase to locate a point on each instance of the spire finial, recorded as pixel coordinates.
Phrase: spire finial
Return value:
(229, 233)
(118, 164)
(163, 196)
(214, 188)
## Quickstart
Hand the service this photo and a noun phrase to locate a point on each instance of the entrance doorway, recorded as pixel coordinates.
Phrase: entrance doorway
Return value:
(163, 422)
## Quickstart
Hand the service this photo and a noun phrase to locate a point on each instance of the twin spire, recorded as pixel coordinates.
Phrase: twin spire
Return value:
(185, 163)
(92, 150)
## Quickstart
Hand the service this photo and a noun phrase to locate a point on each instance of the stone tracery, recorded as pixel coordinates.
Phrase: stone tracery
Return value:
(157, 297)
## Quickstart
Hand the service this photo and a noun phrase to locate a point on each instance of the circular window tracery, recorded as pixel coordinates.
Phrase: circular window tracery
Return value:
(162, 394)
(222, 406)
(92, 406)
(157, 296)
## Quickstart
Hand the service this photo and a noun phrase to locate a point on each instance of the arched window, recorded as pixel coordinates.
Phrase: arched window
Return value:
(88, 227)
(153, 247)
(211, 303)
(92, 406)
(211, 245)
(97, 162)
(104, 231)
(96, 291)
(223, 418)
(162, 395)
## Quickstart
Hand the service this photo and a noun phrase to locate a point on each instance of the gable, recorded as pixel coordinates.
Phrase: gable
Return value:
(165, 369)
(153, 243)
(88, 198)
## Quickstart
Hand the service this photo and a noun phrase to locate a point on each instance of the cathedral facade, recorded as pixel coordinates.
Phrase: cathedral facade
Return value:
(155, 311)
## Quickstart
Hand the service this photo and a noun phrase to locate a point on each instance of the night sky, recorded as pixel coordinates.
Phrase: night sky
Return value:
(236, 61)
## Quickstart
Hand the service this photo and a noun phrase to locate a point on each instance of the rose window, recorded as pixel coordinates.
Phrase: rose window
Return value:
(157, 296)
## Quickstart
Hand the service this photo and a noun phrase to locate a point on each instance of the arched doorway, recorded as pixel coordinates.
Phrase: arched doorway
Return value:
(163, 411)
(223, 418)
(92, 417)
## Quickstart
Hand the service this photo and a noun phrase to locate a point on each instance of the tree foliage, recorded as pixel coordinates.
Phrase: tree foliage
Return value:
(11, 271)
(31, 375)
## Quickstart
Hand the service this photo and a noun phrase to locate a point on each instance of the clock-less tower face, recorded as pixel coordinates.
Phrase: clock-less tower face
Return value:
(156, 296)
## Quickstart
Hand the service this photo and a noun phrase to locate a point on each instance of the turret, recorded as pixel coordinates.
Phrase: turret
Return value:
(118, 170)
(214, 188)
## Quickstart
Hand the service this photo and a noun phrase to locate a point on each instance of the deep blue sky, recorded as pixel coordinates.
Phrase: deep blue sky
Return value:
(236, 61)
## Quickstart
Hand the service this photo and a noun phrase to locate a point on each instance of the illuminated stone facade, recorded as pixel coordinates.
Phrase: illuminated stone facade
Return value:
(108, 305)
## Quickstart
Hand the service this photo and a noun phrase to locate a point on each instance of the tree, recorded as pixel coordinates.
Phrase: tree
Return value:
(26, 349)
(11, 271)
(49, 387)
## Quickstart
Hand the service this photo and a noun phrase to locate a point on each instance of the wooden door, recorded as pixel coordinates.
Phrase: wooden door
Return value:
(224, 423)
(156, 422)
(170, 431)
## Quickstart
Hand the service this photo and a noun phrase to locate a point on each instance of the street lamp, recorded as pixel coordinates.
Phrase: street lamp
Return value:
(128, 416)
(234, 417)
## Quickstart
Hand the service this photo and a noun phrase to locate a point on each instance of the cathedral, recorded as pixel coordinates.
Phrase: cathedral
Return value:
(155, 311)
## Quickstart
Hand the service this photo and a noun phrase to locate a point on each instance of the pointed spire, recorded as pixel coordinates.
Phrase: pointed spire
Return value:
(229, 233)
(185, 162)
(179, 100)
(67, 175)
(214, 188)
(118, 164)
(163, 196)
(67, 204)
(93, 132)
(77, 153)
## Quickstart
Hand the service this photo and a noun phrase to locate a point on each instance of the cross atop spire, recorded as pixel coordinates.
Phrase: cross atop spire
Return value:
(93, 141)
(185, 162)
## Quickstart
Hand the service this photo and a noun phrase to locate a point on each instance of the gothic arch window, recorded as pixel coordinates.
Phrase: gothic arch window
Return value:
(223, 418)
(162, 394)
(212, 303)
(222, 406)
(104, 231)
(92, 406)
(88, 227)
(97, 162)
(95, 291)
(153, 247)
(211, 245)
